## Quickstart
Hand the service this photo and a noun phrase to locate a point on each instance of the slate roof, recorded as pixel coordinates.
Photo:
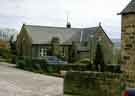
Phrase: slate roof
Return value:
(90, 31)
(44, 34)
(130, 8)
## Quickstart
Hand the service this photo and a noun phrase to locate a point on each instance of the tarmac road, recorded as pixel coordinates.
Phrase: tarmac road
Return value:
(16, 82)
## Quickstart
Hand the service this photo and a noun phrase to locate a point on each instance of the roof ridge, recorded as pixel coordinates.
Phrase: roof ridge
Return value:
(60, 27)
(51, 26)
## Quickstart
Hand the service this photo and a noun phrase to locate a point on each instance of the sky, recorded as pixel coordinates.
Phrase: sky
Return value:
(81, 13)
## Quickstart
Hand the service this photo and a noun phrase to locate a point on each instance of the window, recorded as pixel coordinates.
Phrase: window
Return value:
(43, 52)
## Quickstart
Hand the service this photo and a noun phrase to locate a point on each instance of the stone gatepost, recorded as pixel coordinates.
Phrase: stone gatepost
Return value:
(128, 41)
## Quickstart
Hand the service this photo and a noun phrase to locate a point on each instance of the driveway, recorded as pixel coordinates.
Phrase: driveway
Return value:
(16, 82)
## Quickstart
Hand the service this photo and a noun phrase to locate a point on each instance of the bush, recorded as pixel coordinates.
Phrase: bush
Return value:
(99, 58)
(40, 65)
(20, 58)
(50, 69)
(13, 59)
(39, 61)
(31, 64)
(21, 64)
(28, 63)
(39, 68)
(5, 53)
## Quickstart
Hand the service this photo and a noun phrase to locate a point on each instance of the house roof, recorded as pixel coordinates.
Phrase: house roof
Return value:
(90, 31)
(130, 8)
(44, 34)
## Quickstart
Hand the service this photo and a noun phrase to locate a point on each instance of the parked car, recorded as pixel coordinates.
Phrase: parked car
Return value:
(55, 60)
(129, 92)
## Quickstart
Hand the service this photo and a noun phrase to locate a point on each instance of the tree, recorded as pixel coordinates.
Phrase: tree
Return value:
(54, 46)
(73, 53)
(12, 45)
(99, 59)
(13, 48)
(24, 43)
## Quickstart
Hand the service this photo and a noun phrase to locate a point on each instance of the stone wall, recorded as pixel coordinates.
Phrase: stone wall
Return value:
(128, 46)
(128, 43)
(93, 84)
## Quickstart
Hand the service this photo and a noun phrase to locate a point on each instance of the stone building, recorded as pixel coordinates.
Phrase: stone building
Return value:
(128, 40)
(35, 41)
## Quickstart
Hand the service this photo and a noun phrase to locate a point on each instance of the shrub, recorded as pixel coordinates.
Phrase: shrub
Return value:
(31, 64)
(37, 68)
(40, 65)
(99, 59)
(50, 69)
(28, 63)
(28, 60)
(5, 53)
(20, 58)
(13, 59)
(39, 61)
(21, 64)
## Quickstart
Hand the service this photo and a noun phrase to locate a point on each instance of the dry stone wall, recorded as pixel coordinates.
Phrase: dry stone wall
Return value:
(93, 84)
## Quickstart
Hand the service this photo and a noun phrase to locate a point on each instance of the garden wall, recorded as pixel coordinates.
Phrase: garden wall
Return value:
(93, 84)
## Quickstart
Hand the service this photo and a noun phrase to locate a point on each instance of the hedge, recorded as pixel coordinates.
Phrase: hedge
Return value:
(41, 66)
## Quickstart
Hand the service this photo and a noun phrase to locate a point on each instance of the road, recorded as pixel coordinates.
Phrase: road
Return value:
(16, 82)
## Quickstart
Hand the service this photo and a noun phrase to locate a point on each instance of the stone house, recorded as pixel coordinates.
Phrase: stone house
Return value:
(128, 40)
(36, 41)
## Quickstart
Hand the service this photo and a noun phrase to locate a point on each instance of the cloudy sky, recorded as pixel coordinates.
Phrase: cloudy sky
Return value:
(82, 13)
